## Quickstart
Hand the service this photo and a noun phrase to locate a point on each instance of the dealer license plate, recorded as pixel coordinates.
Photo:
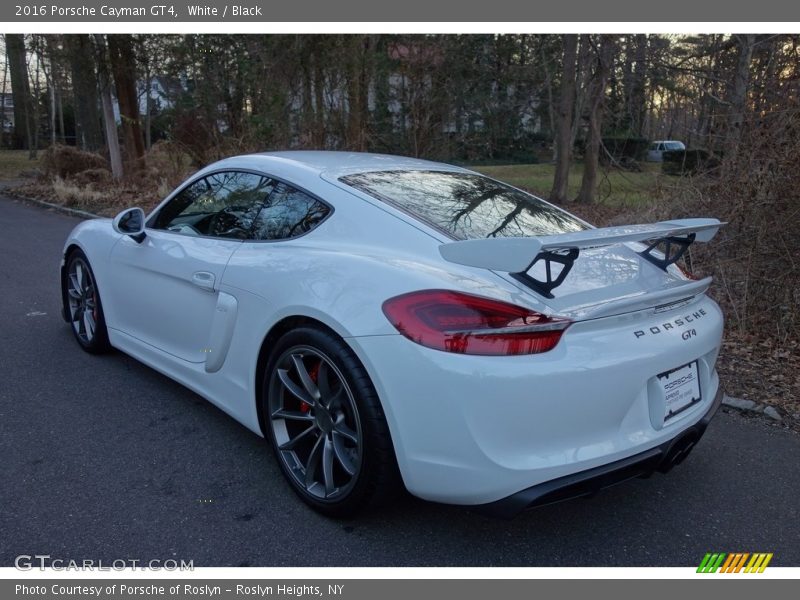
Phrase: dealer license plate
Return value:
(681, 389)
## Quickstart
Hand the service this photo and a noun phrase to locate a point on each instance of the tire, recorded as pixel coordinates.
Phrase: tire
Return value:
(334, 448)
(84, 306)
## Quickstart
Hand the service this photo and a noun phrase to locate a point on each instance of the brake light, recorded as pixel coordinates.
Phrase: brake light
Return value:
(467, 324)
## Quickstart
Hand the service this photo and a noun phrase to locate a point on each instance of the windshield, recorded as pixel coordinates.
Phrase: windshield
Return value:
(465, 205)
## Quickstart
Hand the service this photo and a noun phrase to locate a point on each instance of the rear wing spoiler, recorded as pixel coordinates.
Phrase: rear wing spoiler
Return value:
(516, 255)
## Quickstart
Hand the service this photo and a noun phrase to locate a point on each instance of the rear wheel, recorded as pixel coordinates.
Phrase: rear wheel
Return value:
(326, 424)
(84, 308)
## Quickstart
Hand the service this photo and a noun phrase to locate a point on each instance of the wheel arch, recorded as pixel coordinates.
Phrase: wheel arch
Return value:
(71, 247)
(277, 330)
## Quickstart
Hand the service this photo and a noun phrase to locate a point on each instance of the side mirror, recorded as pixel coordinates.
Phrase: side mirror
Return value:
(130, 222)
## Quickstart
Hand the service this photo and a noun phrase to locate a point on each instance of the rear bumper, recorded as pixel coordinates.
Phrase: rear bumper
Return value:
(587, 483)
(473, 430)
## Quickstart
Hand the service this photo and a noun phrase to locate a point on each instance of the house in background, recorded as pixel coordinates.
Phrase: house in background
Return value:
(161, 94)
(7, 112)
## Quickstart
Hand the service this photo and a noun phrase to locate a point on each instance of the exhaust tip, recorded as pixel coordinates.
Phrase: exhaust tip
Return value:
(678, 452)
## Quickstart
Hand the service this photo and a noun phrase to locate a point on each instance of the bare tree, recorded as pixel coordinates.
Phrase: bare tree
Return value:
(112, 137)
(738, 95)
(81, 55)
(634, 74)
(123, 65)
(566, 105)
(604, 56)
(3, 103)
(24, 123)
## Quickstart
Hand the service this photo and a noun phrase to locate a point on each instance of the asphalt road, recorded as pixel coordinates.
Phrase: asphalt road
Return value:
(103, 458)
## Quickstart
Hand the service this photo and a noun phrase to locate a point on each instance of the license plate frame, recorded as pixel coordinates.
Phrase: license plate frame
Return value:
(681, 387)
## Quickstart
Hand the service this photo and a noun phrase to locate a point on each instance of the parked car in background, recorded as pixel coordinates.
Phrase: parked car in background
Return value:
(655, 153)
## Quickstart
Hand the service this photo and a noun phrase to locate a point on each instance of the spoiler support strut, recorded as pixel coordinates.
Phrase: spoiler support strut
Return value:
(670, 257)
(545, 287)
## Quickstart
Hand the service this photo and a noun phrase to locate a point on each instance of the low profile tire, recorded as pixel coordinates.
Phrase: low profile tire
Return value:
(326, 425)
(84, 307)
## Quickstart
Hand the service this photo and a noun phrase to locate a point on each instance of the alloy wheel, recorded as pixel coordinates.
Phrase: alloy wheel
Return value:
(315, 423)
(82, 297)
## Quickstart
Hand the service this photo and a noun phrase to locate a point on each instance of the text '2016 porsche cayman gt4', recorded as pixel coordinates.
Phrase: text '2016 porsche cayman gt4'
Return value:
(387, 321)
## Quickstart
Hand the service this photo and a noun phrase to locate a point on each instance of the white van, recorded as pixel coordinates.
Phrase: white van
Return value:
(655, 153)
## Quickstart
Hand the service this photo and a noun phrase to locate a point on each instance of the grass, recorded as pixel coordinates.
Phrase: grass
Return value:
(13, 162)
(616, 187)
(76, 196)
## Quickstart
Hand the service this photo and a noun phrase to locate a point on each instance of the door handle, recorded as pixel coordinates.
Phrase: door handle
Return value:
(204, 280)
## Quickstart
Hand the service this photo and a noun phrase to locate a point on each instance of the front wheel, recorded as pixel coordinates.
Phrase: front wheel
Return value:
(326, 424)
(84, 308)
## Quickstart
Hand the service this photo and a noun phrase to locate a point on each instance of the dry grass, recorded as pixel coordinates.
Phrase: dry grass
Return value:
(81, 180)
(76, 195)
(14, 163)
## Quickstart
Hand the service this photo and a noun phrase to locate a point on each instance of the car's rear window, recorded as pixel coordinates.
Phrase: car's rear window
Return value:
(465, 205)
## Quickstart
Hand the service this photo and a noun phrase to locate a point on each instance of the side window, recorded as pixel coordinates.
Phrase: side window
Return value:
(288, 213)
(220, 205)
(661, 147)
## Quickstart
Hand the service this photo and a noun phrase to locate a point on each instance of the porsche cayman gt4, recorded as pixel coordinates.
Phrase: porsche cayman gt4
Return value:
(386, 322)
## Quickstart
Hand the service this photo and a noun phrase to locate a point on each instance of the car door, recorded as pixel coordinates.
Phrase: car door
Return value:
(164, 290)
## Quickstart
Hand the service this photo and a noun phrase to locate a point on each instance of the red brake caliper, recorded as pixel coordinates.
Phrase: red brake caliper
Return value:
(314, 374)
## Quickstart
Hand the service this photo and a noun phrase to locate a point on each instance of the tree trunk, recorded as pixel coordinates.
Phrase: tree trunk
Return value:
(738, 97)
(123, 66)
(60, 107)
(582, 82)
(81, 52)
(233, 94)
(320, 133)
(53, 111)
(639, 80)
(551, 111)
(588, 190)
(24, 136)
(355, 92)
(148, 108)
(566, 106)
(3, 105)
(307, 127)
(383, 118)
(112, 138)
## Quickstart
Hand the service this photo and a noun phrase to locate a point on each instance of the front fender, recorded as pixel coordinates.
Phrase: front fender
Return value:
(95, 238)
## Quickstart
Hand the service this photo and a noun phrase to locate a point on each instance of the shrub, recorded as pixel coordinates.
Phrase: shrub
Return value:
(89, 176)
(74, 195)
(754, 258)
(167, 164)
(67, 161)
(688, 162)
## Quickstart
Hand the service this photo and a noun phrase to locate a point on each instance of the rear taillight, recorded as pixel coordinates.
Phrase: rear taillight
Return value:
(467, 324)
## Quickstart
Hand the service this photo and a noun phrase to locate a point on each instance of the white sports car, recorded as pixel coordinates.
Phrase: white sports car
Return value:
(387, 321)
